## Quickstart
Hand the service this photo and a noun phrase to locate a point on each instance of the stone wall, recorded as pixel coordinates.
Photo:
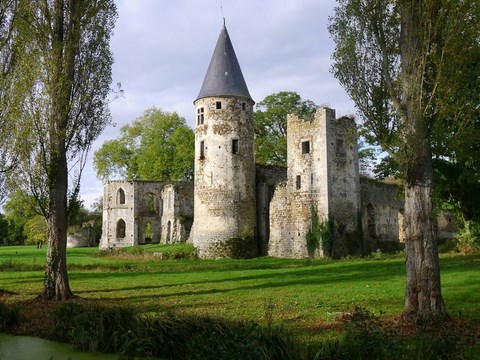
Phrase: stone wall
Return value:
(267, 177)
(138, 212)
(382, 214)
(84, 238)
(322, 174)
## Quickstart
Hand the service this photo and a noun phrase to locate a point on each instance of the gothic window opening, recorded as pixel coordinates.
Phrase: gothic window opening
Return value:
(202, 150)
(218, 105)
(200, 116)
(298, 184)
(305, 147)
(244, 106)
(121, 196)
(120, 229)
(235, 146)
(152, 203)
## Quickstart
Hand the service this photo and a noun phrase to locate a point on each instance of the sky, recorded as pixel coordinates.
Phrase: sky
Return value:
(162, 50)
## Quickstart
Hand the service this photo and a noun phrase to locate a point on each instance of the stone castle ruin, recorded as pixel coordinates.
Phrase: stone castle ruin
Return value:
(236, 208)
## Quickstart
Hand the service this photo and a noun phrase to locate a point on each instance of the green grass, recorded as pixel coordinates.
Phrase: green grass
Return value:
(301, 294)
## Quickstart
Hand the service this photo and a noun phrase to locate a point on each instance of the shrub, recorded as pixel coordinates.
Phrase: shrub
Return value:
(91, 327)
(469, 237)
(115, 329)
(366, 338)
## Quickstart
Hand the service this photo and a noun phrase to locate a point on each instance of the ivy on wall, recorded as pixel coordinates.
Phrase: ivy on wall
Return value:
(320, 234)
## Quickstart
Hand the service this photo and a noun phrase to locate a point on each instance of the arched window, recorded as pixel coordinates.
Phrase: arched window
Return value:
(120, 196)
(120, 229)
(152, 203)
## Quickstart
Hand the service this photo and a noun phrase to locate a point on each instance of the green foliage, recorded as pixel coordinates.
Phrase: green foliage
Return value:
(468, 237)
(92, 327)
(156, 146)
(3, 230)
(314, 234)
(9, 315)
(320, 233)
(270, 125)
(172, 336)
(36, 231)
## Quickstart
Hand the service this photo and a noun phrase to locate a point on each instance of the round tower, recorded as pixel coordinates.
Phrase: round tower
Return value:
(224, 200)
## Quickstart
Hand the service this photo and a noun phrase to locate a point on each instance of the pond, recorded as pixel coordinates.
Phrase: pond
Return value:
(28, 347)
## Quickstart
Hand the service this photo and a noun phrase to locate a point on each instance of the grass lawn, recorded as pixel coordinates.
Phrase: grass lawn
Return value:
(305, 295)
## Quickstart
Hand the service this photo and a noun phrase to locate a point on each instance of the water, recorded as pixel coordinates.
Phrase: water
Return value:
(32, 348)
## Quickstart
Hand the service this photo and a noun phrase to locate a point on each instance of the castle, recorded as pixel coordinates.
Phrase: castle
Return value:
(236, 208)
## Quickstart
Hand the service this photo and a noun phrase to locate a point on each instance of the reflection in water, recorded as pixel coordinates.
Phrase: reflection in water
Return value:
(28, 348)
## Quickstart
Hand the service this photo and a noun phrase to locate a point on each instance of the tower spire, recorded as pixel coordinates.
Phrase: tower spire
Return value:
(224, 76)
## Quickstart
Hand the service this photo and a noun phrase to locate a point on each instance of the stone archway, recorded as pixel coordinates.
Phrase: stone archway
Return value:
(121, 229)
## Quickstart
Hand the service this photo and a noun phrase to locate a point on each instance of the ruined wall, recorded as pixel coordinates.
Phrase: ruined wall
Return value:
(119, 228)
(322, 173)
(224, 202)
(184, 198)
(382, 214)
(83, 238)
(177, 217)
(143, 209)
(148, 211)
(267, 178)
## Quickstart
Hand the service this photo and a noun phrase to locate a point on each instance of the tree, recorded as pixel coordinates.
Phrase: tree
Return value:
(8, 15)
(36, 231)
(3, 230)
(395, 61)
(63, 76)
(19, 209)
(270, 125)
(156, 146)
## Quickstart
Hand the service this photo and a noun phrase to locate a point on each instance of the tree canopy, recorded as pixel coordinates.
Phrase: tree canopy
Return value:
(403, 63)
(270, 125)
(156, 146)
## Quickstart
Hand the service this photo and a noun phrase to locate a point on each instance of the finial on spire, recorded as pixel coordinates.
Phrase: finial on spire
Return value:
(223, 15)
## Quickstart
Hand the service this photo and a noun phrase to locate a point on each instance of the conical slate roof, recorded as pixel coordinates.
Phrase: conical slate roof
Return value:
(224, 76)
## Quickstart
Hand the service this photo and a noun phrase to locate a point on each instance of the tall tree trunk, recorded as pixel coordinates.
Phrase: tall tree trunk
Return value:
(423, 297)
(56, 278)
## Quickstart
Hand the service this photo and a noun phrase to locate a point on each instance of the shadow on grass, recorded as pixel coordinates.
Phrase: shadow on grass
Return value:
(274, 279)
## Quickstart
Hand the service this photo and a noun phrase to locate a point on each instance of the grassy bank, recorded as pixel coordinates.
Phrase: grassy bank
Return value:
(309, 297)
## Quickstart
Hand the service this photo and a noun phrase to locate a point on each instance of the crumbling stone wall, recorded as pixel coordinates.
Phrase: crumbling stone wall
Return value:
(322, 173)
(83, 238)
(134, 212)
(382, 214)
(267, 178)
